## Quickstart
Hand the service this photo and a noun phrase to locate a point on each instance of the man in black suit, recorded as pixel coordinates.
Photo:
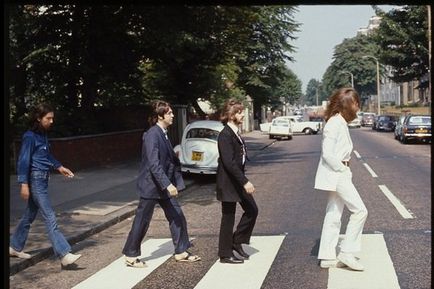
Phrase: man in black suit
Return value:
(158, 182)
(233, 186)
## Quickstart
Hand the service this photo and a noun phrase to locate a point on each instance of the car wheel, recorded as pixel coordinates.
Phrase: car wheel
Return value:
(307, 131)
(270, 136)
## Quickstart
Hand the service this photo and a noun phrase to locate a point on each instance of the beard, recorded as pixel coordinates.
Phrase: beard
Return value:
(350, 116)
(44, 129)
(238, 122)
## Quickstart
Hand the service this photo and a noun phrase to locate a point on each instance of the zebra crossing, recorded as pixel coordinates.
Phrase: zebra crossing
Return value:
(379, 270)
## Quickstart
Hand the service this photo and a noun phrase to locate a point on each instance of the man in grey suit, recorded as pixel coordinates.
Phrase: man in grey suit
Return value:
(159, 181)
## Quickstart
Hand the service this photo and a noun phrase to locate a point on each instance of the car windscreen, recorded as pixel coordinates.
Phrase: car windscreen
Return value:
(202, 133)
(281, 122)
(419, 120)
(387, 118)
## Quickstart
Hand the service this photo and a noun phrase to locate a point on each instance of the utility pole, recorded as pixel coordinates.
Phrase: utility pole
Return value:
(378, 81)
(352, 77)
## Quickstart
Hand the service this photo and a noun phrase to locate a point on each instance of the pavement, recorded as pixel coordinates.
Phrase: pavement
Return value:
(92, 201)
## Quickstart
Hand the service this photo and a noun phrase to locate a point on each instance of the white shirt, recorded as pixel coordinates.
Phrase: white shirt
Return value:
(164, 130)
(235, 129)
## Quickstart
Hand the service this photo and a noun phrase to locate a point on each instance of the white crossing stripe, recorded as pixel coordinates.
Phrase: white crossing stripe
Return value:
(396, 202)
(379, 272)
(118, 276)
(371, 171)
(357, 154)
(251, 274)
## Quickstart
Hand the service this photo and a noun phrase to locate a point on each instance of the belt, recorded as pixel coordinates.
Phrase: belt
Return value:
(346, 163)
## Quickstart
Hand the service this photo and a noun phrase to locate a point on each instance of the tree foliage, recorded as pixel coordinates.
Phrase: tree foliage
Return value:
(349, 58)
(312, 91)
(84, 57)
(403, 40)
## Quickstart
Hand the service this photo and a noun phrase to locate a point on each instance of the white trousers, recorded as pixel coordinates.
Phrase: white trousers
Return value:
(345, 195)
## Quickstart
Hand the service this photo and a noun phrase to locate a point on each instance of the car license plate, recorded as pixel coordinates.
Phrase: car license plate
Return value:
(421, 131)
(196, 156)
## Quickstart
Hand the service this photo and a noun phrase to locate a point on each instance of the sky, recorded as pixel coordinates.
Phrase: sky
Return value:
(322, 28)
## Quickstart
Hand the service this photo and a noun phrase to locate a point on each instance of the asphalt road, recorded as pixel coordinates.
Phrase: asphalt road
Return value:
(283, 174)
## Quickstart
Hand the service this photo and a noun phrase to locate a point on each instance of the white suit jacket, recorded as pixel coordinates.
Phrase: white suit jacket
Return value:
(336, 147)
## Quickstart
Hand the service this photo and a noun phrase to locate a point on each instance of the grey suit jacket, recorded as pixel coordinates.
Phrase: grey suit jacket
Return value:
(160, 166)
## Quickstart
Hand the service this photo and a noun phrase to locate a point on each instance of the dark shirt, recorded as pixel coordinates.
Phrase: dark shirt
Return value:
(34, 156)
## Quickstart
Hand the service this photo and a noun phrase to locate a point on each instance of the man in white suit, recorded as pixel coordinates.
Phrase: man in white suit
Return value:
(334, 175)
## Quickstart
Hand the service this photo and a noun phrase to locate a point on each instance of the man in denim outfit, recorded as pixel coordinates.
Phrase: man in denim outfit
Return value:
(34, 165)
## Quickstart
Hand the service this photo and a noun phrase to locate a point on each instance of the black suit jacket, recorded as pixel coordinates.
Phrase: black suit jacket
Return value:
(159, 167)
(230, 171)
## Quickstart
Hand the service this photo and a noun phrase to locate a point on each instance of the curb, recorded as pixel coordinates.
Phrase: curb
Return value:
(48, 252)
(97, 228)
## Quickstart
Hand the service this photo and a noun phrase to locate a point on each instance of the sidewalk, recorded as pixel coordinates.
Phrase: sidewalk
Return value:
(92, 201)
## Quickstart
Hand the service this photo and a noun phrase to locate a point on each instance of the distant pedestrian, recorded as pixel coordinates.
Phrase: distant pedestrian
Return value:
(158, 182)
(233, 186)
(334, 175)
(34, 164)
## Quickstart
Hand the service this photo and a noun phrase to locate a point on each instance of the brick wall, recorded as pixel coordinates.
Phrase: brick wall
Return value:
(93, 150)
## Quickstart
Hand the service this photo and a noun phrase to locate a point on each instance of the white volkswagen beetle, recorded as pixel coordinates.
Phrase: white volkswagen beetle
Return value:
(198, 151)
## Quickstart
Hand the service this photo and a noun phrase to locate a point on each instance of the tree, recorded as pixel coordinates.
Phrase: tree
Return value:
(265, 52)
(402, 37)
(348, 57)
(84, 57)
(312, 92)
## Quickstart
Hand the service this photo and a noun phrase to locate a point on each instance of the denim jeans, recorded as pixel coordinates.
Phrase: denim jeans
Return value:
(39, 200)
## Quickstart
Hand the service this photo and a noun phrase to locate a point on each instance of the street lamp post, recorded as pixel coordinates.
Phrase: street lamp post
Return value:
(378, 81)
(352, 77)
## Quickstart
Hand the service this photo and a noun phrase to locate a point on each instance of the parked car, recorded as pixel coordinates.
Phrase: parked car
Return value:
(416, 127)
(355, 123)
(367, 119)
(198, 151)
(301, 126)
(384, 122)
(398, 127)
(280, 127)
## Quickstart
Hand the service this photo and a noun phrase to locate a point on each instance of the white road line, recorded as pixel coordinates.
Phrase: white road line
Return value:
(396, 202)
(118, 276)
(379, 271)
(357, 154)
(251, 274)
(373, 174)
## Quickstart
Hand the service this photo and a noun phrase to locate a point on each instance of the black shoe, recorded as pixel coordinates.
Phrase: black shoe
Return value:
(239, 249)
(231, 260)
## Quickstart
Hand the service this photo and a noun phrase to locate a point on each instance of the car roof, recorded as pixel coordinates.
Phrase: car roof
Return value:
(419, 115)
(211, 124)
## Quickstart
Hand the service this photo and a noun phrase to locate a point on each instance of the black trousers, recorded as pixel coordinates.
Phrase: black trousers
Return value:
(242, 234)
(145, 210)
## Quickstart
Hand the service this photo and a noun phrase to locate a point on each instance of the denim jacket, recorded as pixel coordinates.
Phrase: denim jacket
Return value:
(34, 156)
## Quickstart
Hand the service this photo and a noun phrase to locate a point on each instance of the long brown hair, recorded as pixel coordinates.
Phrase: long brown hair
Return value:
(231, 107)
(38, 112)
(341, 101)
